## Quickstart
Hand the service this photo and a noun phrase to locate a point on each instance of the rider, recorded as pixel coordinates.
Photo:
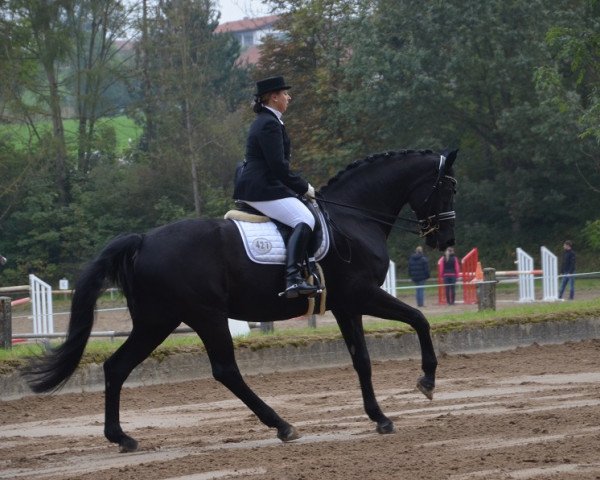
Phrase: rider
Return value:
(266, 183)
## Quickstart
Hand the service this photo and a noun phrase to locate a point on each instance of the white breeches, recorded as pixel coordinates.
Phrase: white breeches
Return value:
(289, 210)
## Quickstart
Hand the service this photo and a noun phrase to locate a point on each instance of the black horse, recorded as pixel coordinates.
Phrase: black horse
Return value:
(196, 272)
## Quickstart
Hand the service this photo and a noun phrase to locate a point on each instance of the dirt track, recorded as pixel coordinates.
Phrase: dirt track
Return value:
(530, 413)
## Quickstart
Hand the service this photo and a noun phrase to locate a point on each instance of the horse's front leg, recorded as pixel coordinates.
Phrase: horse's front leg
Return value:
(383, 305)
(354, 336)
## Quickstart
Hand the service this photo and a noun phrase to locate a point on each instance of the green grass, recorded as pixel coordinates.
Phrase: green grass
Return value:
(523, 311)
(125, 128)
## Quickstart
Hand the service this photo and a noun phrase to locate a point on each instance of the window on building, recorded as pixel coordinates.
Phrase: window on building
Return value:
(247, 39)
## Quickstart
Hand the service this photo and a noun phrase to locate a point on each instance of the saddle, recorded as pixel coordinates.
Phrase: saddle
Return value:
(265, 239)
(285, 230)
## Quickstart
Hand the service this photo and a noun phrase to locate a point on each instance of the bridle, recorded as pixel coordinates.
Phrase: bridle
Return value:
(427, 225)
(431, 223)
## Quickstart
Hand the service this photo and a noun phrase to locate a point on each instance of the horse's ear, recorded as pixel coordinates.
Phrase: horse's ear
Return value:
(450, 157)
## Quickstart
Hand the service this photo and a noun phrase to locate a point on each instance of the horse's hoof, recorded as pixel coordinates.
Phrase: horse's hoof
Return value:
(288, 434)
(128, 444)
(385, 428)
(426, 387)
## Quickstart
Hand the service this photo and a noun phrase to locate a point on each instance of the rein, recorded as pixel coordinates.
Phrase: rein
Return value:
(370, 215)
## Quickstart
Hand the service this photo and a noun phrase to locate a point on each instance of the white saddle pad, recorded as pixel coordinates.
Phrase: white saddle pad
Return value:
(264, 244)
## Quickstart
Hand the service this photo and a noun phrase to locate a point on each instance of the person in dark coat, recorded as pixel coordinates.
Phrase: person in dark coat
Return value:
(418, 271)
(266, 182)
(568, 270)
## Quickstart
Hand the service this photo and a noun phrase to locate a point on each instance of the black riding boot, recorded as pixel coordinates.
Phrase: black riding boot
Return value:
(296, 251)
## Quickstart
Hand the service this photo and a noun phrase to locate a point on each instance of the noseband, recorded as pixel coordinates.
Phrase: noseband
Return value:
(432, 223)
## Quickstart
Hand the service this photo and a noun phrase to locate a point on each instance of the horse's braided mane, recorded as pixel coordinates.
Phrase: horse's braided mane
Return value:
(370, 159)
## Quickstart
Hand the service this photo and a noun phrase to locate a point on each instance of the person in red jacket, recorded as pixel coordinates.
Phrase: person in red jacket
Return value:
(450, 272)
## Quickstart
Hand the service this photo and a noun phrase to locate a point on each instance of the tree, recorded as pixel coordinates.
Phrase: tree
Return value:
(44, 36)
(312, 54)
(571, 80)
(464, 73)
(96, 65)
(18, 70)
(390, 75)
(190, 73)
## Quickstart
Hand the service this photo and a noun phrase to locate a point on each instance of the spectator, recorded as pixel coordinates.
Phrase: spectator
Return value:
(418, 271)
(450, 272)
(568, 270)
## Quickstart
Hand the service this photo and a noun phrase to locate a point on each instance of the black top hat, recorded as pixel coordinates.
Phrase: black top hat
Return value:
(272, 84)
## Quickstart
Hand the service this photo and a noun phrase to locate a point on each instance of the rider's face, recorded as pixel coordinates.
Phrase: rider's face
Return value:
(280, 100)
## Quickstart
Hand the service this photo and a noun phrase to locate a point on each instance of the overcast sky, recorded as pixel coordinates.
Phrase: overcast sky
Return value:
(238, 9)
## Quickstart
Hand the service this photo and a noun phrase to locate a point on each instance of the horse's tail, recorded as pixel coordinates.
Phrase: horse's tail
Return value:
(51, 371)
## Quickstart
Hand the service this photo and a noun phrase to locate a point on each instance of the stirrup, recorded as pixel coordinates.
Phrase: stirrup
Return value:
(298, 289)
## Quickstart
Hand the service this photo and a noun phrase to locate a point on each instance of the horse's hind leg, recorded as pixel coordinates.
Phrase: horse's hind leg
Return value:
(117, 368)
(354, 336)
(219, 346)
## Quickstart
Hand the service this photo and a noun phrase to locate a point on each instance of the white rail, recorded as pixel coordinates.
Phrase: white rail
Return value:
(550, 275)
(41, 305)
(525, 267)
(389, 284)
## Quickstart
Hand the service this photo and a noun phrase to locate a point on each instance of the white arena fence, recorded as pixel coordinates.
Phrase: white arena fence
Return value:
(41, 306)
(550, 275)
(389, 284)
(527, 274)
(42, 315)
(525, 268)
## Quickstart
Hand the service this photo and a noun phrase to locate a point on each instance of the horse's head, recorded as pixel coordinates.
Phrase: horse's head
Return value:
(433, 204)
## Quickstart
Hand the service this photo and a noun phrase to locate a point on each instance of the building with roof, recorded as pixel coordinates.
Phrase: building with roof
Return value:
(250, 33)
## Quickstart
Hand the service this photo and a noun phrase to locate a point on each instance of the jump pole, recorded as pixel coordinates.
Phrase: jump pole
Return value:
(526, 272)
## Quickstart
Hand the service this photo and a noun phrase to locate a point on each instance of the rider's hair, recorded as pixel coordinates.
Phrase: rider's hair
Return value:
(260, 100)
(258, 103)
